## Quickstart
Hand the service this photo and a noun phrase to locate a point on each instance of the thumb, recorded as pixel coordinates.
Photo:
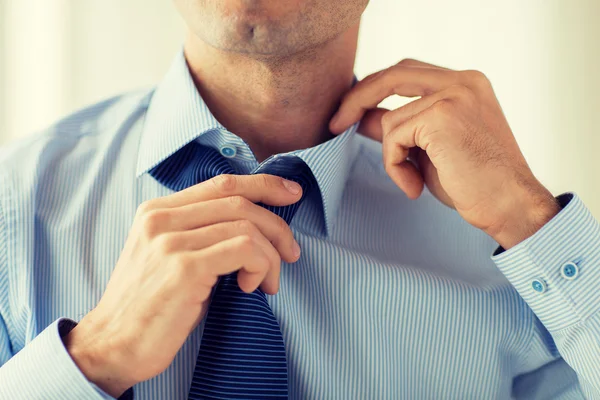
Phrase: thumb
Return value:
(370, 124)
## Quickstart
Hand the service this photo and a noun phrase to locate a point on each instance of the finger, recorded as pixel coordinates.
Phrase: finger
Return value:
(403, 81)
(432, 180)
(409, 62)
(420, 131)
(268, 189)
(207, 236)
(404, 173)
(240, 253)
(270, 285)
(370, 124)
(206, 213)
(392, 119)
(377, 121)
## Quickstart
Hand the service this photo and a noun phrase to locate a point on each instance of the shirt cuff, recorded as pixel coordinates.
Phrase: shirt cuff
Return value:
(557, 270)
(43, 369)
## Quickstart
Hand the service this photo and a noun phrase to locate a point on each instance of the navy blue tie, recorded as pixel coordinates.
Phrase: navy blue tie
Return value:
(242, 354)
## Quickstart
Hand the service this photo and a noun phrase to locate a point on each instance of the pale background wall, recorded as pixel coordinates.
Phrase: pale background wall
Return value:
(541, 55)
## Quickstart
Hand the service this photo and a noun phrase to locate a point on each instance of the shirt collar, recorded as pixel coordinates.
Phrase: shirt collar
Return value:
(177, 115)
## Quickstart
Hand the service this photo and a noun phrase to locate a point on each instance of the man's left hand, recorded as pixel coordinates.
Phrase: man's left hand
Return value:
(456, 140)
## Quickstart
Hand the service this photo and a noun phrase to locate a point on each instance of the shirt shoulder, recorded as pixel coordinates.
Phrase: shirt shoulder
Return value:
(73, 142)
(54, 172)
(97, 122)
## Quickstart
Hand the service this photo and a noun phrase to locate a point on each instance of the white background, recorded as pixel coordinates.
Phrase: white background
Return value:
(541, 55)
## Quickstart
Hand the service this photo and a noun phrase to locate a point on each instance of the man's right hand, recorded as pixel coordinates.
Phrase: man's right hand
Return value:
(177, 248)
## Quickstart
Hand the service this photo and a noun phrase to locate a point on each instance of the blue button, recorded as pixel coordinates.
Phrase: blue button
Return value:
(228, 151)
(569, 271)
(538, 285)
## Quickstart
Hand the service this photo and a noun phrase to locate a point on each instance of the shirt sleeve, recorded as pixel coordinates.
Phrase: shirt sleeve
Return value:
(557, 272)
(43, 369)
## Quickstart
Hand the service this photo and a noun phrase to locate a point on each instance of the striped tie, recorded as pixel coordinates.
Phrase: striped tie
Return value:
(242, 354)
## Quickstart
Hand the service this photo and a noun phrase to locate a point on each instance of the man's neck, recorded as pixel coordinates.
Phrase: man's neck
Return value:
(276, 105)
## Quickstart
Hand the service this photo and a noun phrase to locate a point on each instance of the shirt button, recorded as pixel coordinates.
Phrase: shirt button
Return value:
(538, 285)
(569, 271)
(228, 151)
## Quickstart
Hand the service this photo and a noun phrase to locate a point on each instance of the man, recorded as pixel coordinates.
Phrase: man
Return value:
(110, 218)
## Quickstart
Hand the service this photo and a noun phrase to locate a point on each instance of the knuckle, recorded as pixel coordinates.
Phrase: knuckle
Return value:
(387, 121)
(225, 183)
(428, 137)
(204, 275)
(265, 263)
(239, 203)
(207, 278)
(435, 150)
(181, 272)
(444, 108)
(407, 61)
(245, 243)
(463, 94)
(246, 227)
(282, 227)
(389, 168)
(166, 243)
(460, 91)
(477, 77)
(372, 77)
(153, 221)
(267, 181)
(275, 258)
(146, 206)
(185, 262)
(384, 76)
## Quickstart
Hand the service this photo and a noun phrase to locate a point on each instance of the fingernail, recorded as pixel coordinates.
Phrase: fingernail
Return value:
(292, 186)
(296, 249)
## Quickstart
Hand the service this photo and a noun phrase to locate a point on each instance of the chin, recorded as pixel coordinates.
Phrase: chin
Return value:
(268, 28)
(250, 31)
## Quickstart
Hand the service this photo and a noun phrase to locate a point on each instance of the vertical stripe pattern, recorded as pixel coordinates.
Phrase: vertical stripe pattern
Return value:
(391, 298)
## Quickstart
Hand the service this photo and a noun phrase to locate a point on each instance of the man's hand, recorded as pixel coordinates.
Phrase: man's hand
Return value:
(177, 248)
(457, 141)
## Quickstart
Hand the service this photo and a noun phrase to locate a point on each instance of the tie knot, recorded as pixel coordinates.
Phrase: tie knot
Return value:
(294, 169)
(195, 163)
(291, 168)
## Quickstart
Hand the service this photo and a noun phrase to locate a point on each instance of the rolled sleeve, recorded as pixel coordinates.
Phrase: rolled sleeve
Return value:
(570, 240)
(44, 370)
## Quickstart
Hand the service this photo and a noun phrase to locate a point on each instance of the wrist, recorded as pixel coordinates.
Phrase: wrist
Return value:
(95, 359)
(529, 211)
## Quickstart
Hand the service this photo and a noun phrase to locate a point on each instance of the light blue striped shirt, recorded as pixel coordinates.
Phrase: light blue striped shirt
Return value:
(391, 299)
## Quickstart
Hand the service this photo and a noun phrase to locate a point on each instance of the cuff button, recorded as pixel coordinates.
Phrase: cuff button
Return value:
(538, 285)
(569, 271)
